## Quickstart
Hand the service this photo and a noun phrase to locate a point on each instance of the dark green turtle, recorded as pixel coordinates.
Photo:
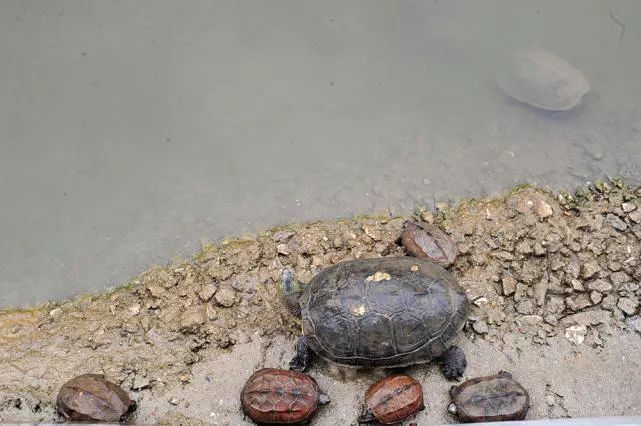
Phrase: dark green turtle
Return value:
(386, 312)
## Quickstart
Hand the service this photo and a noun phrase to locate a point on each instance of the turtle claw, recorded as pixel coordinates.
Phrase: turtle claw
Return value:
(453, 363)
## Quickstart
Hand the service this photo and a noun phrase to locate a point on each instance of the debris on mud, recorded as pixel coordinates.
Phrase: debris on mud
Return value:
(534, 265)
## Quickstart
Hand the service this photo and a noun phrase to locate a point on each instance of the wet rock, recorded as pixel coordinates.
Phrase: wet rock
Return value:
(628, 305)
(225, 296)
(509, 285)
(429, 242)
(543, 210)
(192, 319)
(590, 269)
(576, 334)
(207, 292)
(599, 285)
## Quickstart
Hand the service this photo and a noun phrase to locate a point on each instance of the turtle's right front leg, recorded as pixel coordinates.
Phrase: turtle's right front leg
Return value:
(300, 362)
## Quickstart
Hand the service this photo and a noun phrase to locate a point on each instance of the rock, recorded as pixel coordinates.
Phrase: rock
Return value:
(587, 318)
(174, 401)
(634, 323)
(530, 272)
(609, 301)
(283, 249)
(628, 207)
(543, 210)
(283, 235)
(509, 285)
(628, 305)
(525, 307)
(576, 334)
(134, 309)
(524, 247)
(540, 291)
(573, 269)
(140, 382)
(225, 296)
(615, 222)
(55, 312)
(619, 278)
(480, 327)
(596, 297)
(207, 292)
(635, 216)
(589, 269)
(192, 319)
(599, 285)
(211, 313)
(577, 286)
(555, 305)
(579, 302)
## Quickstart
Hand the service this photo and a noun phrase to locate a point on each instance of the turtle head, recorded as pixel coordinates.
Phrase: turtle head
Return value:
(290, 291)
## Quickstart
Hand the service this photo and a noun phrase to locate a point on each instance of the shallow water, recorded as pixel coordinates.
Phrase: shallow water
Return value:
(131, 131)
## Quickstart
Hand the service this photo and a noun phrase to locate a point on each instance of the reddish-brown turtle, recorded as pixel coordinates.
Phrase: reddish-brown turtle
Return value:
(392, 400)
(489, 399)
(273, 396)
(89, 397)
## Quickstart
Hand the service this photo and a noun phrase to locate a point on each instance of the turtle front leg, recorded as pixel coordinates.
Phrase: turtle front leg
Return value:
(453, 363)
(303, 356)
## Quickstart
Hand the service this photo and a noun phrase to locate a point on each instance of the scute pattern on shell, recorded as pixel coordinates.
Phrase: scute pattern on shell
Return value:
(280, 396)
(411, 318)
(394, 398)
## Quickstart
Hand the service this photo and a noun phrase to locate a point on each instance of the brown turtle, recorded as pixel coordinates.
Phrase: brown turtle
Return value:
(392, 400)
(489, 399)
(382, 312)
(90, 397)
(273, 396)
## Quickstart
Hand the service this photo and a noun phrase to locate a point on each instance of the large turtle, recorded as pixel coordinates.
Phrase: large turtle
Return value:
(383, 312)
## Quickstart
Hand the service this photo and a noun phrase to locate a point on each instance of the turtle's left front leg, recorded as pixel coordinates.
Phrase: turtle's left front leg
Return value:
(453, 362)
(303, 356)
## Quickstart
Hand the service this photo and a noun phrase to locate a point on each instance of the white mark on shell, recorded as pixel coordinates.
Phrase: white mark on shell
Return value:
(358, 310)
(414, 268)
(379, 276)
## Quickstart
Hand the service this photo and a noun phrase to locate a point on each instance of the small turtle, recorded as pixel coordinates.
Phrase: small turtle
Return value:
(92, 398)
(543, 80)
(489, 399)
(273, 396)
(392, 400)
(385, 312)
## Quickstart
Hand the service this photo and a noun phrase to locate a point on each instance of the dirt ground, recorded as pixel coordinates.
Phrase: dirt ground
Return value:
(553, 279)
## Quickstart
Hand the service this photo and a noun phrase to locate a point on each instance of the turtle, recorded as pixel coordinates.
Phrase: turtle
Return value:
(392, 400)
(489, 399)
(387, 312)
(543, 80)
(275, 396)
(92, 398)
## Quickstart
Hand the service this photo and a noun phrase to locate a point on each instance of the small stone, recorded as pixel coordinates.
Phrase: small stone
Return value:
(576, 334)
(174, 401)
(635, 216)
(634, 323)
(525, 307)
(578, 302)
(596, 297)
(140, 382)
(207, 292)
(619, 278)
(480, 327)
(599, 285)
(509, 285)
(283, 249)
(589, 269)
(524, 247)
(212, 315)
(539, 250)
(427, 216)
(134, 309)
(577, 286)
(628, 305)
(615, 222)
(192, 319)
(55, 312)
(480, 301)
(628, 207)
(283, 235)
(549, 400)
(225, 297)
(573, 269)
(543, 210)
(550, 319)
(609, 301)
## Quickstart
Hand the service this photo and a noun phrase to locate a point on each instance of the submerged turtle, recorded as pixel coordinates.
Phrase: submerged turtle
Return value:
(543, 80)
(273, 396)
(385, 312)
(489, 399)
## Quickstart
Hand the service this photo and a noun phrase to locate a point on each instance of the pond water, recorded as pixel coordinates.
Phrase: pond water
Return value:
(132, 131)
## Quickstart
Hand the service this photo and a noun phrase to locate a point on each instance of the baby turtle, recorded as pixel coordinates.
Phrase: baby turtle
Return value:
(489, 399)
(385, 312)
(392, 400)
(92, 398)
(273, 396)
(543, 80)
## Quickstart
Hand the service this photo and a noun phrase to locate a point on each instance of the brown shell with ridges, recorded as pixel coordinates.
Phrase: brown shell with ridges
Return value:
(394, 398)
(280, 396)
(490, 399)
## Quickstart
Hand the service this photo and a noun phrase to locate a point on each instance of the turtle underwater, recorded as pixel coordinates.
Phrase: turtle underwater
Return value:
(379, 313)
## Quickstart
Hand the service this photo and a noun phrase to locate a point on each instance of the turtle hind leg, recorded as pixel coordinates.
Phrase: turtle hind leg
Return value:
(303, 356)
(453, 362)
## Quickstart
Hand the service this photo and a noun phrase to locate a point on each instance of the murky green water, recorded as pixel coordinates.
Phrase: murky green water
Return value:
(130, 131)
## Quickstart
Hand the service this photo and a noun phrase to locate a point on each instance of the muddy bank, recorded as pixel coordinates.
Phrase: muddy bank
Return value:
(554, 281)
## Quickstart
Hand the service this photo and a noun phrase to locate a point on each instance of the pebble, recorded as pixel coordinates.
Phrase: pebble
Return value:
(525, 307)
(576, 334)
(509, 285)
(635, 216)
(599, 285)
(589, 269)
(191, 319)
(480, 327)
(543, 210)
(207, 292)
(55, 312)
(283, 249)
(225, 297)
(596, 297)
(616, 223)
(174, 401)
(578, 302)
(634, 323)
(134, 309)
(628, 305)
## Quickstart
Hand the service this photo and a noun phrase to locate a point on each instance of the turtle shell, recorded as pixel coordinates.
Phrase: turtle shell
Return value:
(394, 399)
(543, 80)
(489, 399)
(90, 397)
(280, 396)
(383, 312)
